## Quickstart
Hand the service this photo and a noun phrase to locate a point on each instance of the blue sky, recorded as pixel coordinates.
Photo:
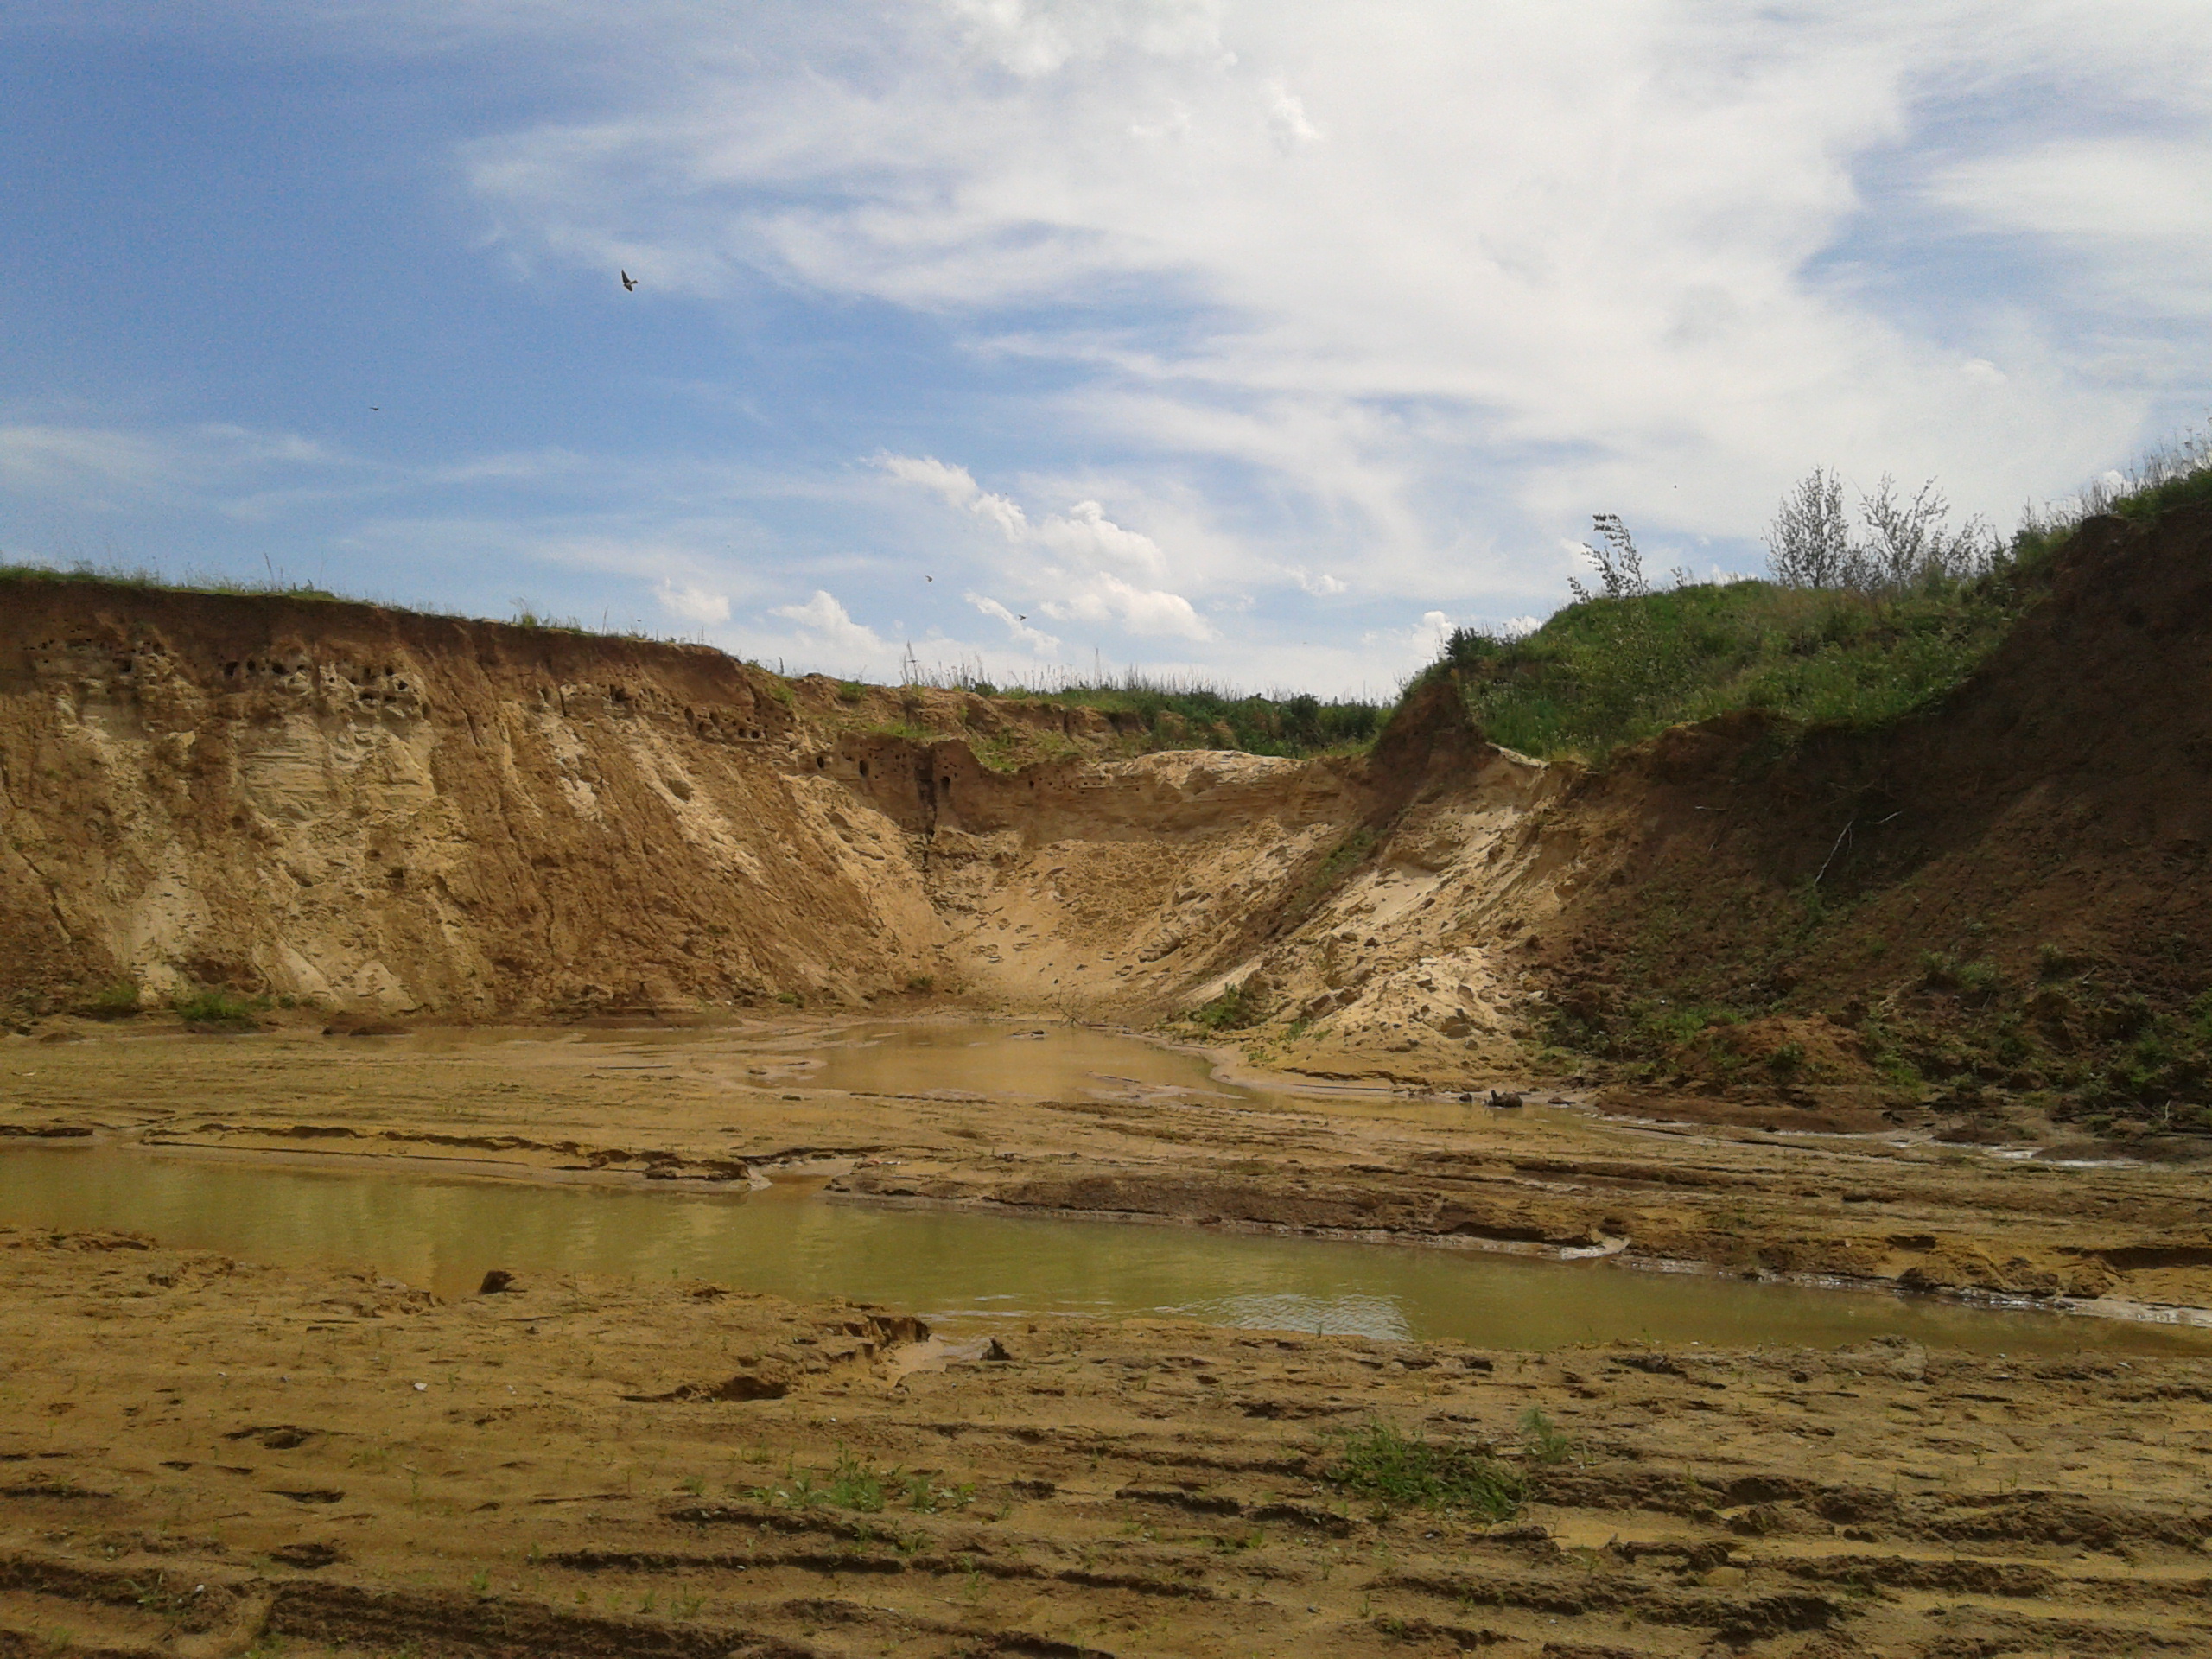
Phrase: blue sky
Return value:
(1257, 341)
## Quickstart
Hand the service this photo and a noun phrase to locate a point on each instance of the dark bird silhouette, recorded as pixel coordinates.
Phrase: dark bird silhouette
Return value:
(629, 282)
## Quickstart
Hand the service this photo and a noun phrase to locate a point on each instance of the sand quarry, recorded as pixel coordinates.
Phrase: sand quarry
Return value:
(527, 913)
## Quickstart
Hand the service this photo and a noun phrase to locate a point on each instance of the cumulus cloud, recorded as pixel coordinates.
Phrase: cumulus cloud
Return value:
(826, 625)
(694, 603)
(1437, 267)
(1081, 579)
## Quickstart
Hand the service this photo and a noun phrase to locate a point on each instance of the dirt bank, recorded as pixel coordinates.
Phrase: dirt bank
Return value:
(205, 1457)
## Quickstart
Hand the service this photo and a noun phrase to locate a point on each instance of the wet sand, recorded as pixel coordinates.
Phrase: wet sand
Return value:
(204, 1456)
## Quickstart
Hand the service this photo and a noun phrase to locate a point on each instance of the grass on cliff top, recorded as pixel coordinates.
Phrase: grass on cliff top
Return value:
(1608, 671)
(1152, 712)
(117, 575)
(1182, 716)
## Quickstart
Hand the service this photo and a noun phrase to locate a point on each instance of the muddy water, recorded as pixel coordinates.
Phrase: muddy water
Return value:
(963, 1271)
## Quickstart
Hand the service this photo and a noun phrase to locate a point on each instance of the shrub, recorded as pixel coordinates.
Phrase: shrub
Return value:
(214, 1007)
(1234, 1009)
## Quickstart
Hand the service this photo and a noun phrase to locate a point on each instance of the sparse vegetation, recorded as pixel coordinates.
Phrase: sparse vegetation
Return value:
(212, 1008)
(1238, 1006)
(1384, 1464)
(118, 1001)
(1547, 1442)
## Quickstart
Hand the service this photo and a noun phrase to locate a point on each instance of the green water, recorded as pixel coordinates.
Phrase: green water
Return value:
(961, 1271)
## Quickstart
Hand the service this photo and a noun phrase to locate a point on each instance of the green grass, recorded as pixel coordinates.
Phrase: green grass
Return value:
(1624, 664)
(1606, 672)
(116, 1001)
(214, 1007)
(1409, 1471)
(119, 575)
(1153, 711)
(1194, 716)
(1233, 1010)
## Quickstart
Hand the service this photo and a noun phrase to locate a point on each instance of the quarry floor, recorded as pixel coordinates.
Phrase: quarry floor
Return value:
(204, 1456)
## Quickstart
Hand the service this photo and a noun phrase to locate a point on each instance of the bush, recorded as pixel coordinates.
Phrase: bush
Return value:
(1234, 1009)
(214, 1007)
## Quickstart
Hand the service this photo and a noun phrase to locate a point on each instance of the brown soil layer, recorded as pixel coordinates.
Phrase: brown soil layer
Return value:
(201, 1457)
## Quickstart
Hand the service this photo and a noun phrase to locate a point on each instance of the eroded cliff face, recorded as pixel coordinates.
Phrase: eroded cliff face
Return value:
(407, 812)
(379, 810)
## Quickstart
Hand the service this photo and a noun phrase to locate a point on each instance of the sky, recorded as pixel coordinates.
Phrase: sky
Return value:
(1257, 343)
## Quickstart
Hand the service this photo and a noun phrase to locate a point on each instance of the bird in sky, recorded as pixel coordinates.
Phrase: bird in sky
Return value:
(929, 578)
(629, 282)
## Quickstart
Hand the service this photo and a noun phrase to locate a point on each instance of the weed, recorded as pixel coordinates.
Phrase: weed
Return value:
(1380, 1462)
(119, 1001)
(480, 1581)
(1234, 1009)
(922, 983)
(2056, 962)
(1547, 1442)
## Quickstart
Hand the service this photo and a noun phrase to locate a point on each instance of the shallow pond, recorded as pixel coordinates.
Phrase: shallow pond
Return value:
(961, 1271)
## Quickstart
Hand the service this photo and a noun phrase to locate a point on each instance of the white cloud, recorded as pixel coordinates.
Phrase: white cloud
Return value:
(1081, 581)
(1105, 598)
(956, 484)
(1031, 639)
(825, 625)
(693, 603)
(1429, 270)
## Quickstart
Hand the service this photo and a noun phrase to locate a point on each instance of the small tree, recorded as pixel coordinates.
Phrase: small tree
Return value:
(1810, 544)
(1620, 566)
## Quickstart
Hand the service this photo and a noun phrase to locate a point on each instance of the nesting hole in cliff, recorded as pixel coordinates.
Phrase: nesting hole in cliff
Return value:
(863, 768)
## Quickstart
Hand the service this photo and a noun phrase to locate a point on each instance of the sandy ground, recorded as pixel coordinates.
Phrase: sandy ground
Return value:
(198, 1456)
(203, 1457)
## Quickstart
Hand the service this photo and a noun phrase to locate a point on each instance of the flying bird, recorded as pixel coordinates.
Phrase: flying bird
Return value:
(629, 282)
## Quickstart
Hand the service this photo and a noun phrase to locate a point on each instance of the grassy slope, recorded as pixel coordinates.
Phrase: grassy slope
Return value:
(1613, 671)
(2022, 963)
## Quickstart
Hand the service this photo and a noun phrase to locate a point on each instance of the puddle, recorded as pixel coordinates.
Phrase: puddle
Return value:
(966, 1272)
